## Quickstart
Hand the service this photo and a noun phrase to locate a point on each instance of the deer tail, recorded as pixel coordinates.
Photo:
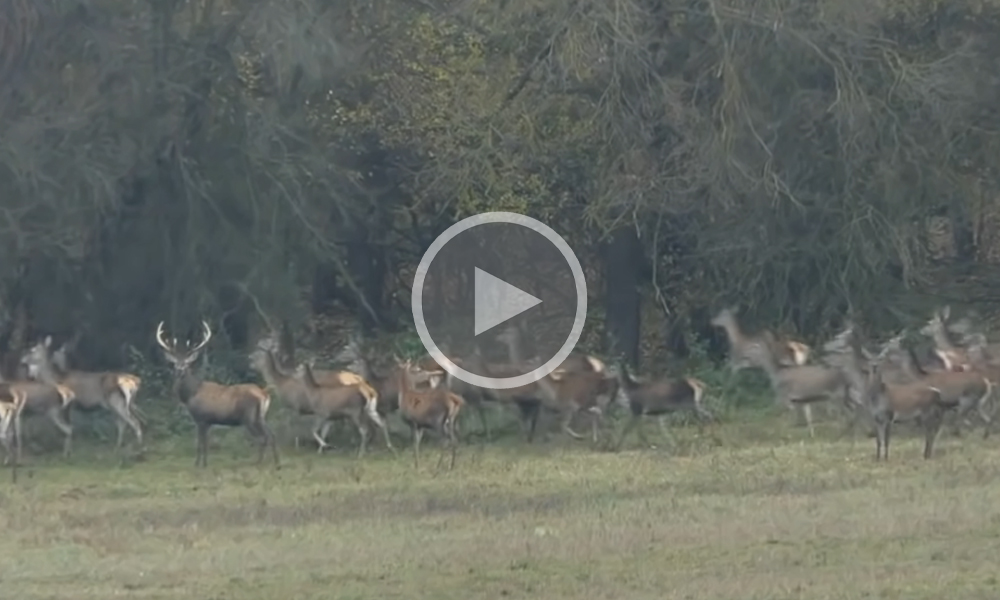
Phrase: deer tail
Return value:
(596, 364)
(66, 394)
(128, 385)
(371, 401)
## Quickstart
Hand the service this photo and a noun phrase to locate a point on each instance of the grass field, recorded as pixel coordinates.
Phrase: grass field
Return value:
(740, 511)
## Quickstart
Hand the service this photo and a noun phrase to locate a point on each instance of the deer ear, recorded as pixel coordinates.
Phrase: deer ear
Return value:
(48, 341)
(946, 312)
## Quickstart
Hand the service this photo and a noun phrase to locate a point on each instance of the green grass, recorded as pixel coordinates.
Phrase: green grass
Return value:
(748, 510)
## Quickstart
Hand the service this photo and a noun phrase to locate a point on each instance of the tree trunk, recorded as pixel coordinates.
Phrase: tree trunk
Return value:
(622, 270)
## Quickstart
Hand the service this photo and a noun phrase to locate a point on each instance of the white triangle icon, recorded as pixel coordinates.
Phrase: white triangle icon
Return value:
(496, 301)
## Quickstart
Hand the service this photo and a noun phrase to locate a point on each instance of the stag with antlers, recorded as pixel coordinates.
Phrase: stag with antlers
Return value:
(211, 404)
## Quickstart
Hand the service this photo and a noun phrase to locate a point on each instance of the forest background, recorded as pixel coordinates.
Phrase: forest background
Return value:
(177, 160)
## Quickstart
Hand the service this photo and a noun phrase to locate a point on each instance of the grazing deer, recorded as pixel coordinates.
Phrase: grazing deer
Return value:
(211, 404)
(801, 384)
(569, 393)
(12, 402)
(658, 398)
(787, 353)
(436, 408)
(104, 390)
(329, 403)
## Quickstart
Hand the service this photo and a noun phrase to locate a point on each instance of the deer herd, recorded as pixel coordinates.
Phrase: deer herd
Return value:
(882, 386)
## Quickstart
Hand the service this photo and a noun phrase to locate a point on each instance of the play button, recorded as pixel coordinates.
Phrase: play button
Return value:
(499, 290)
(498, 301)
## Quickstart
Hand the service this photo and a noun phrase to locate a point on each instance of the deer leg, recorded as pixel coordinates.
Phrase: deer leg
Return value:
(123, 418)
(595, 422)
(269, 440)
(58, 418)
(808, 416)
(363, 432)
(380, 423)
(932, 426)
(319, 423)
(5, 438)
(883, 432)
(453, 442)
(259, 437)
(418, 434)
(567, 418)
(201, 454)
(529, 418)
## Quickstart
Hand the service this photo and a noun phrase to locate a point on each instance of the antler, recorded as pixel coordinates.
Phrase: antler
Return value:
(160, 340)
(207, 336)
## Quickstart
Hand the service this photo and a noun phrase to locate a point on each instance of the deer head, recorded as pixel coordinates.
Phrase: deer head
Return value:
(182, 357)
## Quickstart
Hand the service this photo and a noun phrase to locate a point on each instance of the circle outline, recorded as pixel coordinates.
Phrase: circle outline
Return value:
(417, 301)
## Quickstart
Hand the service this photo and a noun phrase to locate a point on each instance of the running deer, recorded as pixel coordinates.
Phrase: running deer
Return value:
(953, 356)
(102, 390)
(50, 401)
(292, 387)
(214, 404)
(657, 398)
(802, 384)
(357, 403)
(570, 392)
(12, 400)
(512, 338)
(435, 408)
(787, 353)
(525, 398)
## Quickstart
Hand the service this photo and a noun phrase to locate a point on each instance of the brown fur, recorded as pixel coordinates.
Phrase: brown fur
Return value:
(659, 397)
(214, 404)
(358, 403)
(103, 390)
(569, 393)
(435, 408)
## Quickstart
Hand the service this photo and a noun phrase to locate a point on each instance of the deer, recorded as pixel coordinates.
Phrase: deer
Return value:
(980, 362)
(526, 398)
(951, 355)
(102, 390)
(293, 388)
(358, 403)
(800, 384)
(967, 387)
(889, 402)
(435, 408)
(12, 400)
(659, 397)
(512, 339)
(213, 404)
(571, 392)
(787, 353)
(50, 401)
